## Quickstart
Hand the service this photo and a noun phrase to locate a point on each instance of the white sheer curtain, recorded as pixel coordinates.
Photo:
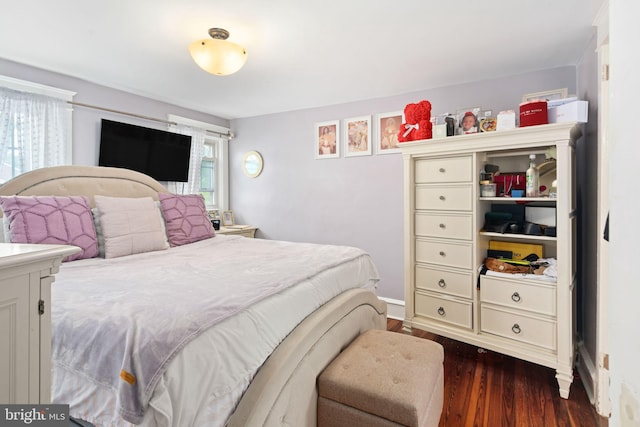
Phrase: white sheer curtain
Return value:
(34, 130)
(197, 152)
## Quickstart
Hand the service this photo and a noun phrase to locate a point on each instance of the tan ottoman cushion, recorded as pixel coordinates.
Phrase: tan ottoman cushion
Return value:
(397, 377)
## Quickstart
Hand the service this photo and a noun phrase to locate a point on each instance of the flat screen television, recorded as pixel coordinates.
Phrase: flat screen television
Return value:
(162, 155)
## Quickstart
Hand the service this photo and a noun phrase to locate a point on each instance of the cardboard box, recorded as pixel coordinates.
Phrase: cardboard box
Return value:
(519, 250)
(572, 111)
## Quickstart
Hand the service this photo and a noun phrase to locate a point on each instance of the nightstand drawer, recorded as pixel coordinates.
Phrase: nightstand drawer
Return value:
(441, 225)
(540, 298)
(451, 169)
(444, 198)
(444, 253)
(455, 312)
(457, 283)
(519, 327)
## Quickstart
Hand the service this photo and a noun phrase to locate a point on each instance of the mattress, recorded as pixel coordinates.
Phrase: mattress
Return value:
(205, 379)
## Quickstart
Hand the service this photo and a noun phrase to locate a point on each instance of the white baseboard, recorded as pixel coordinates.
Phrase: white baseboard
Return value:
(395, 308)
(587, 371)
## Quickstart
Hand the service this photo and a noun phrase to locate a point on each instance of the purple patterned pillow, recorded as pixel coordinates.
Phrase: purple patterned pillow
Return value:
(186, 218)
(52, 220)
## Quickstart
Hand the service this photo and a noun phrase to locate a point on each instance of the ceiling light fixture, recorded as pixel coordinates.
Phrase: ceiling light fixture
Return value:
(217, 55)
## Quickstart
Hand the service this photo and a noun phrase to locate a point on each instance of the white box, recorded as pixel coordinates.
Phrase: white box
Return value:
(572, 111)
(439, 131)
(540, 215)
(506, 120)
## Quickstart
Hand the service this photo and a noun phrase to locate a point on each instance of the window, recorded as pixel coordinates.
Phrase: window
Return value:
(208, 176)
(208, 171)
(35, 127)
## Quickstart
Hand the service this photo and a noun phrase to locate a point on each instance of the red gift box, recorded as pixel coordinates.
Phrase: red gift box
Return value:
(533, 113)
(509, 181)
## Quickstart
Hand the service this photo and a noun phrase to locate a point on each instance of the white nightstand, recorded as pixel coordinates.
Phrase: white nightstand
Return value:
(239, 230)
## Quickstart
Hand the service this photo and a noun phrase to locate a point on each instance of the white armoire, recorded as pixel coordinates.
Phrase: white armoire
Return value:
(445, 245)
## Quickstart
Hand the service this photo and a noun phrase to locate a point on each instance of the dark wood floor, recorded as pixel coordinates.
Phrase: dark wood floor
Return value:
(484, 388)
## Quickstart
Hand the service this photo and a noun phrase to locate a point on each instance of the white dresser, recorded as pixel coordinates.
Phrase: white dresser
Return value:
(26, 274)
(445, 244)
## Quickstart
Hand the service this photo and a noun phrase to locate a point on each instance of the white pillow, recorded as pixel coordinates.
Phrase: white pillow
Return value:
(99, 234)
(130, 226)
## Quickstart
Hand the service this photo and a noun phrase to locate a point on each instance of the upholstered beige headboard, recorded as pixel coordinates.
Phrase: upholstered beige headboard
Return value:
(83, 181)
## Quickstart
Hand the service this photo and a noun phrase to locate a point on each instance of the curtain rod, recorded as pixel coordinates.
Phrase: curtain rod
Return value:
(140, 116)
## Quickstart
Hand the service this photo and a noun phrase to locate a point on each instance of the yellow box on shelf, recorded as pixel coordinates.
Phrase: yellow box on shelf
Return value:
(519, 250)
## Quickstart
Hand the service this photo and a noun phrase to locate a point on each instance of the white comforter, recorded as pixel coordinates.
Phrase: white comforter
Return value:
(136, 313)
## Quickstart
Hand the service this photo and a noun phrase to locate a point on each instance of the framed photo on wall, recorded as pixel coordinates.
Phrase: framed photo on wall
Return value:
(227, 218)
(326, 140)
(549, 95)
(388, 125)
(357, 135)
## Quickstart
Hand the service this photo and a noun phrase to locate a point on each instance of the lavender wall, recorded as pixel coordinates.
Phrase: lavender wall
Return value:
(86, 121)
(356, 200)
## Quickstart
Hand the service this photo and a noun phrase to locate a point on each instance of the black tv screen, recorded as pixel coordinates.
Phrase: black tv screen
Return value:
(162, 155)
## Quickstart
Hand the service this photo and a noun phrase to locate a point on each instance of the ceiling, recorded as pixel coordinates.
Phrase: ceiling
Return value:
(301, 54)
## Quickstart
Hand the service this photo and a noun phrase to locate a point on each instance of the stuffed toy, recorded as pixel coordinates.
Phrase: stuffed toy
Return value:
(417, 122)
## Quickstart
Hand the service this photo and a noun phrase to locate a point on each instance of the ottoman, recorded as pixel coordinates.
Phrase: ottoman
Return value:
(383, 378)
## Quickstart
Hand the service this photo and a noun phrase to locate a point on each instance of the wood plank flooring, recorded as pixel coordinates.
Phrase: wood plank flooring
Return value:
(484, 388)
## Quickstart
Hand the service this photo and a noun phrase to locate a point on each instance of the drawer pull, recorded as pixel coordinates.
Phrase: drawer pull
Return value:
(442, 283)
(443, 226)
(442, 170)
(516, 297)
(442, 253)
(516, 328)
(442, 198)
(441, 311)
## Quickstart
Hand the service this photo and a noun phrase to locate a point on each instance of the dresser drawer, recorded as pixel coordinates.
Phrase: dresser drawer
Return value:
(450, 169)
(441, 225)
(518, 326)
(446, 198)
(452, 254)
(457, 283)
(540, 298)
(455, 312)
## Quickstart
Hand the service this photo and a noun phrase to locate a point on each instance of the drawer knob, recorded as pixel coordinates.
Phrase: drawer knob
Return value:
(442, 283)
(516, 297)
(442, 253)
(516, 328)
(441, 311)
(442, 170)
(443, 226)
(442, 198)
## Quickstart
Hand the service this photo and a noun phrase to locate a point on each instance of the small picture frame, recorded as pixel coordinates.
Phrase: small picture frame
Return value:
(468, 120)
(357, 136)
(549, 95)
(488, 124)
(388, 125)
(227, 218)
(327, 141)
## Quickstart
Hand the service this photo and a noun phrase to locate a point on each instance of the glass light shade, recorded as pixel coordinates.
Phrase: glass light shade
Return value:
(216, 56)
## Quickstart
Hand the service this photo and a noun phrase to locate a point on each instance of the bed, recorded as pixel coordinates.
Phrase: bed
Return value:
(255, 364)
